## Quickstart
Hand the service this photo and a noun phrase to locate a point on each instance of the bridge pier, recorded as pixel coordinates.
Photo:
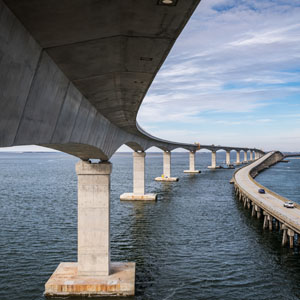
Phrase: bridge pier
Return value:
(245, 157)
(94, 274)
(238, 159)
(192, 164)
(166, 176)
(256, 156)
(138, 180)
(213, 160)
(227, 158)
(251, 156)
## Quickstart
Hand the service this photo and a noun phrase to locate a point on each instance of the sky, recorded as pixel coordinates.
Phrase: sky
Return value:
(232, 78)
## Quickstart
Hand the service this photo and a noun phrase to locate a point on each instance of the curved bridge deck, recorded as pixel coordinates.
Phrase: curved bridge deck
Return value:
(269, 204)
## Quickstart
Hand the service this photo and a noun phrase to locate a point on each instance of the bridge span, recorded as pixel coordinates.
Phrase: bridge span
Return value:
(73, 74)
(270, 204)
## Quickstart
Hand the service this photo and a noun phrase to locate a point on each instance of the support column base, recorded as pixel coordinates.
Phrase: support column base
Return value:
(133, 197)
(213, 168)
(65, 282)
(166, 179)
(192, 171)
(238, 164)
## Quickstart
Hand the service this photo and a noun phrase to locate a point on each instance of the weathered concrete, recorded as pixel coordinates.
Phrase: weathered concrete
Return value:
(58, 92)
(166, 176)
(93, 274)
(192, 164)
(138, 180)
(66, 282)
(213, 160)
(93, 218)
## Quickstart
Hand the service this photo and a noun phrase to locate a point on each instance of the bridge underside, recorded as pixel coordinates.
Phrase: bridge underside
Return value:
(74, 73)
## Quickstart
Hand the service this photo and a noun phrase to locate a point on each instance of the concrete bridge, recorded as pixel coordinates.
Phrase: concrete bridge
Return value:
(73, 74)
(268, 205)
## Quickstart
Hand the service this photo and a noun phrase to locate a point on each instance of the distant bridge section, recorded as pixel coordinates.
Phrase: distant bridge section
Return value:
(269, 204)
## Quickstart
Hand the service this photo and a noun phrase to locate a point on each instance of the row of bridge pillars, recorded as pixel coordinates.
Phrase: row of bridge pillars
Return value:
(94, 274)
(213, 165)
(289, 236)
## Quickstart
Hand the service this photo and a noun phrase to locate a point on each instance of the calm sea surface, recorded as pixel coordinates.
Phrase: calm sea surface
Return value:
(195, 242)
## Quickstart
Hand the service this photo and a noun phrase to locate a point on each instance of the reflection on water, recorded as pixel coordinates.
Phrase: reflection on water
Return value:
(195, 242)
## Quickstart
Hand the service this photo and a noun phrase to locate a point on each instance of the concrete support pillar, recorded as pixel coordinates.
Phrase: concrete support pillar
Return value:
(93, 218)
(238, 160)
(94, 274)
(245, 156)
(167, 163)
(251, 155)
(213, 160)
(291, 234)
(139, 173)
(253, 210)
(256, 155)
(270, 218)
(192, 164)
(166, 176)
(138, 180)
(258, 211)
(227, 158)
(284, 235)
(266, 221)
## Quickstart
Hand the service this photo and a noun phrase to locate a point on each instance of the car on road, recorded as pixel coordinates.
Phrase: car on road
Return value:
(289, 204)
(261, 191)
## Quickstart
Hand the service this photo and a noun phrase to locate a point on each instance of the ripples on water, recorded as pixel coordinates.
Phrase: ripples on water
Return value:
(195, 242)
(283, 179)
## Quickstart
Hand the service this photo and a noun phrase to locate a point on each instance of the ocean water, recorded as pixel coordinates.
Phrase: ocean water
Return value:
(195, 242)
(283, 179)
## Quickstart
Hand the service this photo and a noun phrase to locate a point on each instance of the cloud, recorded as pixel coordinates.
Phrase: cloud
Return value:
(238, 58)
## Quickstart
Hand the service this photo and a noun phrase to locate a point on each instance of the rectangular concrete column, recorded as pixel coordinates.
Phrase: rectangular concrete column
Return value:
(251, 155)
(93, 218)
(213, 159)
(192, 161)
(192, 164)
(167, 163)
(93, 274)
(245, 156)
(227, 158)
(238, 161)
(255, 155)
(139, 173)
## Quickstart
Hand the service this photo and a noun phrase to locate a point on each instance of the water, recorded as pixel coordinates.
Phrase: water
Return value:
(283, 179)
(195, 242)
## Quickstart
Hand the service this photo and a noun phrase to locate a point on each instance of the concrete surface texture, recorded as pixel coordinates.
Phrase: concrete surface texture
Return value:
(238, 158)
(74, 73)
(139, 173)
(227, 158)
(93, 218)
(166, 176)
(138, 180)
(192, 164)
(65, 282)
(213, 160)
